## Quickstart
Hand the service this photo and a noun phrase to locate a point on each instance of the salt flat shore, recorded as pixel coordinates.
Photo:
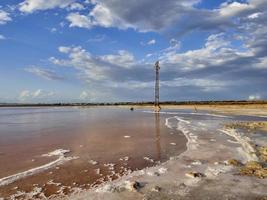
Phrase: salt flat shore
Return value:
(225, 159)
(205, 170)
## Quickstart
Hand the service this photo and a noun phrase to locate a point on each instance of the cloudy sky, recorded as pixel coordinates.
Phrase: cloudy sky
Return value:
(104, 50)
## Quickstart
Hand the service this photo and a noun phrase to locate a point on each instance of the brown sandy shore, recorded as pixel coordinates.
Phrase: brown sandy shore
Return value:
(211, 168)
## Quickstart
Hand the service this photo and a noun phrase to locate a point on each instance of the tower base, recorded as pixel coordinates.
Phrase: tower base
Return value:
(157, 108)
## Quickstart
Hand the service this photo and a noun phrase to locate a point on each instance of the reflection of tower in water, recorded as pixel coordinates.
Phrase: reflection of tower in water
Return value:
(157, 132)
(156, 103)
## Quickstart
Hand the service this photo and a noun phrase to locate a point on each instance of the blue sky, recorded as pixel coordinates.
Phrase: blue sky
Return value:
(102, 50)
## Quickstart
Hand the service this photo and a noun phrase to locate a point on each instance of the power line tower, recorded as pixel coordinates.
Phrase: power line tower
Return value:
(156, 103)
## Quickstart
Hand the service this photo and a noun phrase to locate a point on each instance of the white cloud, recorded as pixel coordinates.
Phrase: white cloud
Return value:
(102, 16)
(29, 6)
(76, 6)
(99, 16)
(27, 95)
(254, 15)
(217, 50)
(53, 30)
(24, 94)
(151, 42)
(84, 95)
(143, 16)
(44, 73)
(63, 49)
(4, 17)
(233, 9)
(94, 67)
(95, 95)
(254, 97)
(2, 37)
(123, 59)
(77, 20)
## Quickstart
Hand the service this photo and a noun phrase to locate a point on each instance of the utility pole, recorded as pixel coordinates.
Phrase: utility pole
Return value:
(156, 103)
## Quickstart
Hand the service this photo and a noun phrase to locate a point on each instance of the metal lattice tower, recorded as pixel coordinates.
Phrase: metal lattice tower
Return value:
(156, 103)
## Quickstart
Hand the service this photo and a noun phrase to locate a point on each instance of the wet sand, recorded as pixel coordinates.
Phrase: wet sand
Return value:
(103, 144)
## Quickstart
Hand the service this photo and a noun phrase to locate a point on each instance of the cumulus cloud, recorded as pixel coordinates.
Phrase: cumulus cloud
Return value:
(4, 17)
(94, 67)
(27, 95)
(144, 16)
(44, 73)
(179, 16)
(30, 6)
(78, 20)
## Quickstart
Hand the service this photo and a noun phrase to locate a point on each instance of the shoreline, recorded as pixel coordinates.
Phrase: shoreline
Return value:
(202, 170)
(190, 172)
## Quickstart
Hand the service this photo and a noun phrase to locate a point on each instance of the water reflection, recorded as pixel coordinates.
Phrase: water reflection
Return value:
(157, 132)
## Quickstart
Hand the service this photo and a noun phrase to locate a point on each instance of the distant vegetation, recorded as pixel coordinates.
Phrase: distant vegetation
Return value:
(135, 103)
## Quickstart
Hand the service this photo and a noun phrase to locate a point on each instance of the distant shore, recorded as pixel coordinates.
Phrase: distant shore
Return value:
(163, 104)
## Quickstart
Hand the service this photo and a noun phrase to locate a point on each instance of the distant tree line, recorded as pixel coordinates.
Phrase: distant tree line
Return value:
(149, 103)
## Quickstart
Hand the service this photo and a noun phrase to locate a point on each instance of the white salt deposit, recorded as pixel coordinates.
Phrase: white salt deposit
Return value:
(162, 170)
(248, 151)
(148, 159)
(126, 158)
(93, 162)
(196, 162)
(61, 159)
(184, 113)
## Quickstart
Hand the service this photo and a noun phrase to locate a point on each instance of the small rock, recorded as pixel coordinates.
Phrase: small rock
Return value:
(194, 174)
(133, 186)
(156, 189)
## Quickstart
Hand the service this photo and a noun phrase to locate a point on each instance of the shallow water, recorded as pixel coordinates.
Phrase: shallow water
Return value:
(105, 135)
(104, 142)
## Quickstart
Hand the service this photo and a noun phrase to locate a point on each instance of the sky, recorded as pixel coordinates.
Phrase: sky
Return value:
(104, 50)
